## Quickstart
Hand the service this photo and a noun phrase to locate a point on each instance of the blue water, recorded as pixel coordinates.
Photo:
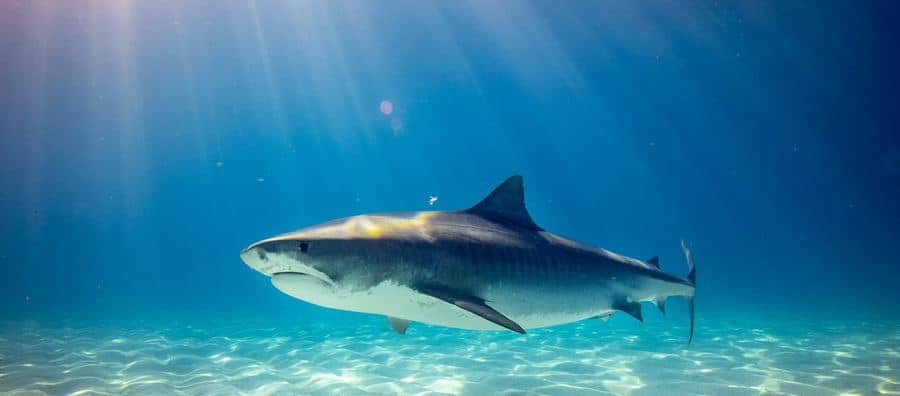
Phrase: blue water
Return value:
(144, 144)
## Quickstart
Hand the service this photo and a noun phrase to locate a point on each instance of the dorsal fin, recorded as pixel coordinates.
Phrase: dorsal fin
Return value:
(506, 204)
(654, 261)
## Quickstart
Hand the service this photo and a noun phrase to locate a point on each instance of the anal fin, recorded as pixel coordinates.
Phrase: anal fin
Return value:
(661, 304)
(472, 304)
(399, 325)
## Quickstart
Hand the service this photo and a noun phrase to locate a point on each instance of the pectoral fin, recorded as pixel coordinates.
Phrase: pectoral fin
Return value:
(399, 325)
(472, 304)
(632, 308)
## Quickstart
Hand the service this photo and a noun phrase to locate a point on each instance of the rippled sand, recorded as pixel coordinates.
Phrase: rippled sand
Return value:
(729, 357)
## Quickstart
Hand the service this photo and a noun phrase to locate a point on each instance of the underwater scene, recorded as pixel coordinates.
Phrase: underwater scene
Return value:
(511, 197)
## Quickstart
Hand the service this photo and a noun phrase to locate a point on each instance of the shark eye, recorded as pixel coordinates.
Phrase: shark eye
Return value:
(304, 247)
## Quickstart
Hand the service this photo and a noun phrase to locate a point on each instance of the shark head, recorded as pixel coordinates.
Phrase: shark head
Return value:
(317, 251)
(311, 264)
(333, 258)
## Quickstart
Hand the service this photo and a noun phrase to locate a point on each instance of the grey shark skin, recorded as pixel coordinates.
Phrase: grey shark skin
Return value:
(489, 267)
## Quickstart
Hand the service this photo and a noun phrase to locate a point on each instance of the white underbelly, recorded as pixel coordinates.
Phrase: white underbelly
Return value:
(391, 299)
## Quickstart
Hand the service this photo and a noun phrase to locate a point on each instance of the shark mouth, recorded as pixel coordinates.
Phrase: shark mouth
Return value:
(309, 277)
(290, 272)
(303, 286)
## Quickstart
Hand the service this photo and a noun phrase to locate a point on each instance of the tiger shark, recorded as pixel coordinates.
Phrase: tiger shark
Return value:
(489, 267)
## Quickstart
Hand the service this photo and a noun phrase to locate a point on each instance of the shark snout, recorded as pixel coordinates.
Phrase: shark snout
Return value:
(255, 257)
(273, 256)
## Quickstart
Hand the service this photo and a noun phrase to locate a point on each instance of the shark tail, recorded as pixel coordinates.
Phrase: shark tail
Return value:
(691, 277)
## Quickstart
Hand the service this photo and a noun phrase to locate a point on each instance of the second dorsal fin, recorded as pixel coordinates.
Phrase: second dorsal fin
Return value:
(506, 204)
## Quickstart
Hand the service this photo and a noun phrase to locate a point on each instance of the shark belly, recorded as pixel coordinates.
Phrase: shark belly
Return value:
(387, 298)
(391, 299)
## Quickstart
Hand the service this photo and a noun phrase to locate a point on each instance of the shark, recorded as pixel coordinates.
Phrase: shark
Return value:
(488, 267)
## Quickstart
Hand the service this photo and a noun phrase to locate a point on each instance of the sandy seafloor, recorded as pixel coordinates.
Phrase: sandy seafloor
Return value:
(730, 356)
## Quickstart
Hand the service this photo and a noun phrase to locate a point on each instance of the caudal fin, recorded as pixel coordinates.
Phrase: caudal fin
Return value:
(691, 277)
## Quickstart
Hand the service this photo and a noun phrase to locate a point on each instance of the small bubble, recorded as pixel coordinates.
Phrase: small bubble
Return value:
(386, 107)
(219, 164)
(431, 200)
(259, 179)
